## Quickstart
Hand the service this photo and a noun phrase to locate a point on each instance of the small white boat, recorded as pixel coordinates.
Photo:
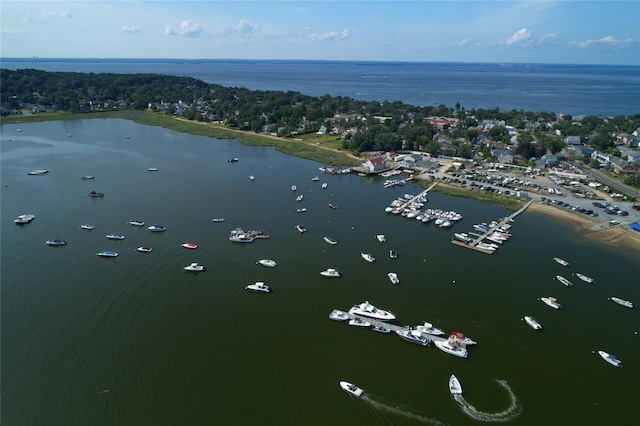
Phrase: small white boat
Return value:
(39, 172)
(561, 261)
(136, 223)
(190, 246)
(393, 254)
(259, 286)
(218, 219)
(157, 228)
(301, 228)
(393, 277)
(144, 249)
(107, 253)
(359, 322)
(87, 177)
(532, 322)
(552, 302)
(381, 328)
(294, 188)
(351, 388)
(302, 210)
(368, 257)
(564, 281)
(338, 315)
(454, 385)
(153, 169)
(24, 218)
(622, 302)
(368, 310)
(115, 236)
(584, 278)
(330, 240)
(56, 242)
(429, 328)
(300, 198)
(252, 177)
(315, 179)
(194, 267)
(333, 206)
(330, 273)
(413, 336)
(611, 359)
(87, 226)
(452, 347)
(324, 185)
(381, 238)
(267, 262)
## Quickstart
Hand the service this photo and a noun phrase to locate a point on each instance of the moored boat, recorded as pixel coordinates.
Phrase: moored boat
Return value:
(301, 228)
(622, 302)
(330, 240)
(393, 254)
(413, 336)
(381, 328)
(368, 257)
(157, 228)
(611, 359)
(87, 226)
(561, 261)
(338, 315)
(302, 210)
(152, 169)
(191, 246)
(218, 219)
(351, 388)
(368, 310)
(95, 194)
(532, 322)
(552, 302)
(381, 238)
(454, 385)
(259, 287)
(144, 249)
(429, 328)
(136, 223)
(39, 172)
(452, 346)
(564, 281)
(359, 322)
(194, 267)
(269, 263)
(393, 277)
(330, 273)
(107, 253)
(584, 278)
(24, 218)
(333, 206)
(294, 188)
(115, 236)
(300, 198)
(56, 242)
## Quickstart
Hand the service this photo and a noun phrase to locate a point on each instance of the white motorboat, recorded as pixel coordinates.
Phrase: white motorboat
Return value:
(39, 172)
(381, 238)
(611, 359)
(144, 249)
(428, 328)
(330, 240)
(153, 169)
(333, 206)
(393, 277)
(87, 226)
(351, 388)
(454, 385)
(301, 228)
(157, 228)
(564, 281)
(115, 236)
(552, 302)
(315, 179)
(252, 177)
(368, 310)
(302, 210)
(56, 242)
(191, 246)
(300, 198)
(258, 286)
(294, 188)
(486, 246)
(413, 336)
(622, 302)
(561, 261)
(462, 236)
(324, 185)
(194, 267)
(452, 346)
(24, 218)
(368, 257)
(584, 278)
(267, 262)
(381, 328)
(330, 273)
(107, 253)
(532, 322)
(338, 315)
(218, 219)
(136, 223)
(393, 254)
(359, 322)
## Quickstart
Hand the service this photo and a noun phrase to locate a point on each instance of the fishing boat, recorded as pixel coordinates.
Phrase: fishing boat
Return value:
(561, 261)
(259, 287)
(611, 359)
(330, 240)
(454, 385)
(144, 249)
(330, 273)
(622, 302)
(552, 302)
(393, 277)
(136, 223)
(115, 236)
(351, 388)
(338, 315)
(532, 322)
(194, 267)
(267, 262)
(87, 226)
(190, 246)
(56, 242)
(564, 281)
(584, 278)
(107, 253)
(157, 228)
(368, 257)
(368, 310)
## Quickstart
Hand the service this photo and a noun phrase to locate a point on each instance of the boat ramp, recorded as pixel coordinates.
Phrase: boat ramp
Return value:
(480, 238)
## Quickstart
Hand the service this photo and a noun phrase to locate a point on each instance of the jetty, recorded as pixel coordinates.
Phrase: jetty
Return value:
(408, 202)
(506, 222)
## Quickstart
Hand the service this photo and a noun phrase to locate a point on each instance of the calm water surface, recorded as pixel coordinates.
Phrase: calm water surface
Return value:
(137, 340)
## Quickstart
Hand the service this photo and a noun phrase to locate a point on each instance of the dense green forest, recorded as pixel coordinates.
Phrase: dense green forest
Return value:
(362, 125)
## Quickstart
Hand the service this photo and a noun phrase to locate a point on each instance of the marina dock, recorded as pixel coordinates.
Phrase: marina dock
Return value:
(411, 200)
(480, 238)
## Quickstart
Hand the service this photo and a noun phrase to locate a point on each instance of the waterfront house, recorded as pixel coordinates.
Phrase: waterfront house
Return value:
(374, 165)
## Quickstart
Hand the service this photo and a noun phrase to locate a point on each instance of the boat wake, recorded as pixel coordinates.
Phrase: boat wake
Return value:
(398, 410)
(506, 415)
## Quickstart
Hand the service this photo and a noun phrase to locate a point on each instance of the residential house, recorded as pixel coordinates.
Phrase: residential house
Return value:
(375, 165)
(504, 156)
(572, 140)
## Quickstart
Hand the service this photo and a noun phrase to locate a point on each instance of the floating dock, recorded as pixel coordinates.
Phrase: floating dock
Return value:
(411, 200)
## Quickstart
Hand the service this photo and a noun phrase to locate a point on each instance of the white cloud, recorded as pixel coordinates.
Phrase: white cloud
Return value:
(132, 29)
(521, 35)
(40, 17)
(463, 43)
(187, 29)
(330, 36)
(246, 27)
(608, 41)
(547, 38)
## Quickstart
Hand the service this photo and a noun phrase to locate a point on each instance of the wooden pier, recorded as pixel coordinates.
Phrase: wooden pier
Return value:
(507, 223)
(411, 200)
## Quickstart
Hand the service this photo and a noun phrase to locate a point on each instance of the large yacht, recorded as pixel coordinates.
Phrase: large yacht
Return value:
(368, 310)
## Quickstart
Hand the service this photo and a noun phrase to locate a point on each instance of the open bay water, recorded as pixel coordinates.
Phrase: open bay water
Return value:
(138, 340)
(602, 90)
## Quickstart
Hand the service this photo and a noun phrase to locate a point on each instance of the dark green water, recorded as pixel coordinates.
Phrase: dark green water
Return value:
(137, 340)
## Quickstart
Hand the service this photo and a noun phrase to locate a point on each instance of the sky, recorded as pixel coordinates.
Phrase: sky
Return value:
(495, 31)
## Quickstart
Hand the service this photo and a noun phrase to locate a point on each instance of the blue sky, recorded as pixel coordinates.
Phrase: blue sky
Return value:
(568, 32)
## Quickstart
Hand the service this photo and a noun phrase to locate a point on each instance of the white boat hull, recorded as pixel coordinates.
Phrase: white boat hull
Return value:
(454, 386)
(351, 388)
